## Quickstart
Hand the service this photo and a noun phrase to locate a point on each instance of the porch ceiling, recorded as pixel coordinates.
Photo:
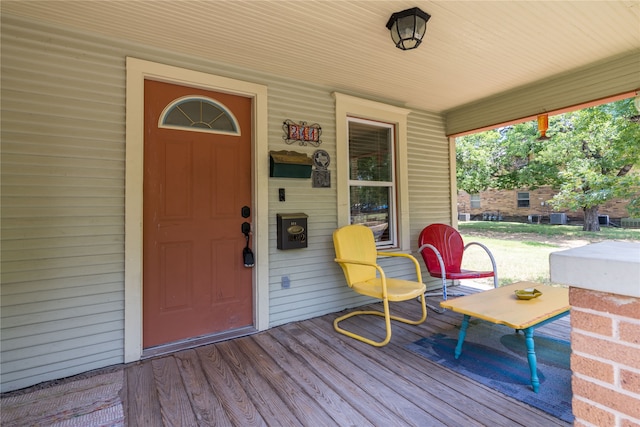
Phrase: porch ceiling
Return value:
(472, 50)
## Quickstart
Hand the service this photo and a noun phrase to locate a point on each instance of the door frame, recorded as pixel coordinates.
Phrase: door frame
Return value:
(137, 71)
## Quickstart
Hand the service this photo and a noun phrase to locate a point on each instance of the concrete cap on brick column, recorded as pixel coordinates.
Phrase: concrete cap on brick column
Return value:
(608, 266)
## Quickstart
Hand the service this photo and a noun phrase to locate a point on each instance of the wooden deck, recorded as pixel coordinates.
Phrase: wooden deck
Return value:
(306, 374)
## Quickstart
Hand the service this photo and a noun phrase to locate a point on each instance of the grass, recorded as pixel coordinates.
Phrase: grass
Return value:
(518, 250)
(567, 231)
(515, 260)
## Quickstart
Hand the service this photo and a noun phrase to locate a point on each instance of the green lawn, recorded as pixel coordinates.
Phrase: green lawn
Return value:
(567, 231)
(522, 250)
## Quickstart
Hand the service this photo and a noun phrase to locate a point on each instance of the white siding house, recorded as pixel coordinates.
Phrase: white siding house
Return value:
(63, 198)
(70, 296)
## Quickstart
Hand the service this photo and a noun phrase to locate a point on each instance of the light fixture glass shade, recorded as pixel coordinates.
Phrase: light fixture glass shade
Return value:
(408, 27)
(543, 126)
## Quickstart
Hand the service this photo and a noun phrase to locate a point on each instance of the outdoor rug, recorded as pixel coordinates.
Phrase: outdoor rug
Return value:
(93, 401)
(496, 356)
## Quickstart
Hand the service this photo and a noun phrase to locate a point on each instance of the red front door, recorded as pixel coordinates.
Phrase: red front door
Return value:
(196, 183)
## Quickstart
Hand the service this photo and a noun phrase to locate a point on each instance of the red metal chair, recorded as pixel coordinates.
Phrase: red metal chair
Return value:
(442, 248)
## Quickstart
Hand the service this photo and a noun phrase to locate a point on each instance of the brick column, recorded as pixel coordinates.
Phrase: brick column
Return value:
(604, 295)
(605, 359)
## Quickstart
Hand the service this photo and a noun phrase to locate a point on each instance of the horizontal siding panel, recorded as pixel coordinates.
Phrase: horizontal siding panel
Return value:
(53, 315)
(28, 202)
(62, 147)
(61, 273)
(40, 105)
(28, 54)
(13, 167)
(46, 125)
(63, 295)
(53, 284)
(107, 296)
(607, 78)
(64, 182)
(21, 334)
(62, 252)
(54, 232)
(61, 223)
(14, 346)
(73, 362)
(79, 349)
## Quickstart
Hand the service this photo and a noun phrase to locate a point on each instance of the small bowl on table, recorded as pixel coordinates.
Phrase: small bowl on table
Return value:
(528, 293)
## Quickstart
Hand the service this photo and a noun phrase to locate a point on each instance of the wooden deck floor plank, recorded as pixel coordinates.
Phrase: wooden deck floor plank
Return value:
(405, 375)
(274, 389)
(234, 399)
(300, 370)
(174, 402)
(483, 403)
(361, 371)
(142, 407)
(206, 407)
(305, 373)
(507, 412)
(351, 392)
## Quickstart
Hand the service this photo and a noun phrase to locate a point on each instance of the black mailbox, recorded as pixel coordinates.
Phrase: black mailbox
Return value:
(292, 231)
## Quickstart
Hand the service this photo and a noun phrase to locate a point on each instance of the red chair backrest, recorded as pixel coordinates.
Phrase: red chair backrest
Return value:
(448, 242)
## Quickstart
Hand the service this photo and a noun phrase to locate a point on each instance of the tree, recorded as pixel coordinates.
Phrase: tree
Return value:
(592, 156)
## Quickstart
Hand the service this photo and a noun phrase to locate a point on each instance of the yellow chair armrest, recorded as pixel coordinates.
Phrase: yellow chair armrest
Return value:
(355, 261)
(408, 256)
(371, 264)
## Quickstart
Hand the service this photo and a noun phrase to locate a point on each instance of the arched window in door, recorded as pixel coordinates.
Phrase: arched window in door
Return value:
(199, 114)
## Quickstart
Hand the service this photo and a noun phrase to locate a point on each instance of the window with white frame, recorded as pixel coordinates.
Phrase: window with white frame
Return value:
(372, 179)
(523, 199)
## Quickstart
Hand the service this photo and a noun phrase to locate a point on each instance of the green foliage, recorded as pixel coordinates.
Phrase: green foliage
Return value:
(592, 156)
(512, 229)
(476, 157)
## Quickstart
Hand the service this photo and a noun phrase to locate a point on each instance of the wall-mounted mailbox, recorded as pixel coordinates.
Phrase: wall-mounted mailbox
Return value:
(292, 231)
(289, 164)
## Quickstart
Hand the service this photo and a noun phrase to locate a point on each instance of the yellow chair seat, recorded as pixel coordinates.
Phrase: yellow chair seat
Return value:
(356, 252)
(397, 289)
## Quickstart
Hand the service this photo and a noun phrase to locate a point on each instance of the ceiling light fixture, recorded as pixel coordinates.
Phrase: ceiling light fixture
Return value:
(408, 28)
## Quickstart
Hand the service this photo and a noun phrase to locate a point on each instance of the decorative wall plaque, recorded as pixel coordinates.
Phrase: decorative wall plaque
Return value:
(301, 132)
(321, 176)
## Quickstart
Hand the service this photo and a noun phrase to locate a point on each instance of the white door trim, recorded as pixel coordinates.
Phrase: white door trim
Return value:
(137, 71)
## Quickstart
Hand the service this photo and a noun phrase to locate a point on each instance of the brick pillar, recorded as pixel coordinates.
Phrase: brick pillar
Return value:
(605, 359)
(604, 294)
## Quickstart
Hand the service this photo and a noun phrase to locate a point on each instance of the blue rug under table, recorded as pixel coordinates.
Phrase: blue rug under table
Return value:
(496, 356)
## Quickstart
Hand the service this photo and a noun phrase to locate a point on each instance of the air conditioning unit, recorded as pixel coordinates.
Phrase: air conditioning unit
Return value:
(603, 219)
(534, 219)
(464, 217)
(558, 219)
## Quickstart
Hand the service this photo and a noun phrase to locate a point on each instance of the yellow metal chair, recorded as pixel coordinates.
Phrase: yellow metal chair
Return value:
(356, 253)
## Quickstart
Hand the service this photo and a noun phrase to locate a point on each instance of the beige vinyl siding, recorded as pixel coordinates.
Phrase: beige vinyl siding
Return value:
(314, 282)
(614, 76)
(429, 186)
(62, 207)
(63, 204)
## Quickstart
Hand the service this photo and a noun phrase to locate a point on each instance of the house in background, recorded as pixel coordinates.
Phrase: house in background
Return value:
(138, 138)
(529, 205)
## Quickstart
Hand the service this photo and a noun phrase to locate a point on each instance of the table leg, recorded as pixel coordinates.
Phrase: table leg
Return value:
(531, 356)
(462, 335)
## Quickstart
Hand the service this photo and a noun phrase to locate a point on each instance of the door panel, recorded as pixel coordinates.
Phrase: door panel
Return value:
(195, 185)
